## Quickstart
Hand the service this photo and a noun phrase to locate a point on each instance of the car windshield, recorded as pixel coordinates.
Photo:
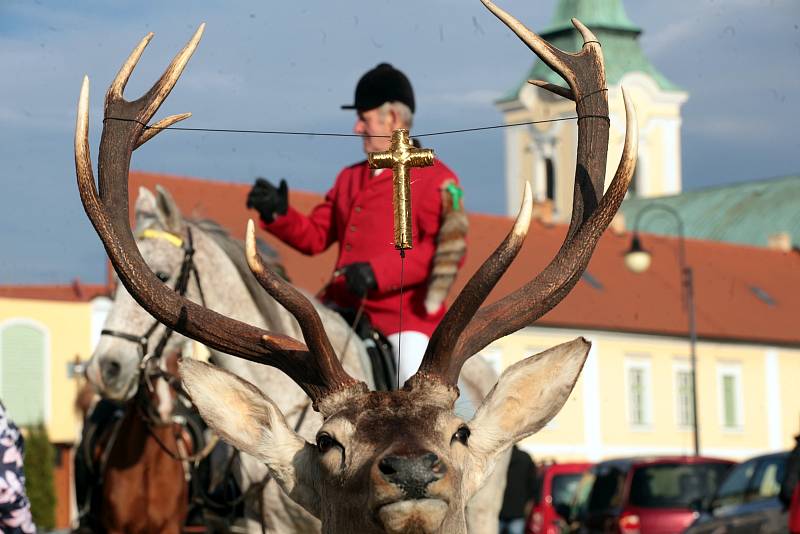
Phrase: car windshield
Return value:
(599, 490)
(675, 485)
(564, 487)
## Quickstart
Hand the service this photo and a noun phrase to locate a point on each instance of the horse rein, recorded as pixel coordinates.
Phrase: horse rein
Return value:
(149, 371)
(187, 268)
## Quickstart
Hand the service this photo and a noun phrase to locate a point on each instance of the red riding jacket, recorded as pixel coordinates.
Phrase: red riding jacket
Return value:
(357, 213)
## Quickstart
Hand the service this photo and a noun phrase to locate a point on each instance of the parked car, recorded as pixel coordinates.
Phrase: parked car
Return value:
(644, 495)
(747, 500)
(553, 497)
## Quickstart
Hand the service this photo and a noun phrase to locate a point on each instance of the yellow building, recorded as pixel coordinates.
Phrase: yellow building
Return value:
(544, 153)
(44, 330)
(634, 396)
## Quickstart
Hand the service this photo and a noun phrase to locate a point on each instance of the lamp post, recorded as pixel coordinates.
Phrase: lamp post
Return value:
(638, 260)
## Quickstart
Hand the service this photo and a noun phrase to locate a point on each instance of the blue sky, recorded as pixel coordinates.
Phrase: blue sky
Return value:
(289, 66)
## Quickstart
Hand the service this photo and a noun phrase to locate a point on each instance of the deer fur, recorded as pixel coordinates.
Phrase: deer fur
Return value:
(343, 486)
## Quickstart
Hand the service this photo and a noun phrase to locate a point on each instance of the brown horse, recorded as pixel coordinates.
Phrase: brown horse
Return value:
(138, 454)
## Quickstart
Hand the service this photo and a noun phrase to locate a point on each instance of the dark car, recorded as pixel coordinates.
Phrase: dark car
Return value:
(644, 495)
(747, 500)
(554, 493)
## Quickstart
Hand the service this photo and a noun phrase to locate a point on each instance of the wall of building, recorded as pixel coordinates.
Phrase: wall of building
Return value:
(66, 331)
(598, 420)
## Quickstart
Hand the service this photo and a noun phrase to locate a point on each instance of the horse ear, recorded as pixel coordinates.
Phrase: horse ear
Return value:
(526, 397)
(145, 209)
(168, 212)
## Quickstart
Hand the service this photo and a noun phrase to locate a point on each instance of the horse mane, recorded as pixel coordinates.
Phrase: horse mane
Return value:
(234, 250)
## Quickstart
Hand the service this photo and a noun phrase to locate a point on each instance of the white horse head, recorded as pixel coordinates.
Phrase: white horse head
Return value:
(130, 334)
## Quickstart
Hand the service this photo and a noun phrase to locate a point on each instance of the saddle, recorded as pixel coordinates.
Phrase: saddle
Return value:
(379, 350)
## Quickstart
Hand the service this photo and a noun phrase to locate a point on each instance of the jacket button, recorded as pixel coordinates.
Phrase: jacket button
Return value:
(358, 209)
(352, 227)
(348, 247)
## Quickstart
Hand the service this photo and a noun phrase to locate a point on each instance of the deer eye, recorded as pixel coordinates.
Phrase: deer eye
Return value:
(461, 435)
(161, 275)
(325, 443)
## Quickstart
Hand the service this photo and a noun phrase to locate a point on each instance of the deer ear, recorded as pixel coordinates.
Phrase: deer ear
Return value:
(247, 419)
(527, 395)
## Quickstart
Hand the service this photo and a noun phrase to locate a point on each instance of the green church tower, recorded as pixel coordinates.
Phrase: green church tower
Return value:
(545, 154)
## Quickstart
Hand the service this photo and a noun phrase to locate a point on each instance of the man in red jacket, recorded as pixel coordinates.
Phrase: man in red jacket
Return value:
(357, 214)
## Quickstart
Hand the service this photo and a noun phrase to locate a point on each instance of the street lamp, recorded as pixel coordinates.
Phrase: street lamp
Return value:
(638, 260)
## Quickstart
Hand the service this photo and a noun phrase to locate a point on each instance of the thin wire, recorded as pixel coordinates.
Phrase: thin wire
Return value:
(446, 132)
(331, 134)
(234, 130)
(400, 333)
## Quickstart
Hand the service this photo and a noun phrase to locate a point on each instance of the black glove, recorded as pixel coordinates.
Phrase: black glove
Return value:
(360, 278)
(268, 200)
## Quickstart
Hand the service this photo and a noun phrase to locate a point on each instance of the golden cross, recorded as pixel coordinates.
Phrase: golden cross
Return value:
(400, 158)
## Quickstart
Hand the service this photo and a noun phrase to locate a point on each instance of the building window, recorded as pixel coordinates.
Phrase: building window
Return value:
(550, 179)
(638, 389)
(684, 397)
(23, 372)
(730, 394)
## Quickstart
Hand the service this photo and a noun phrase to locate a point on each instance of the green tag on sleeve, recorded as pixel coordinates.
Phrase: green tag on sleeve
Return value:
(456, 192)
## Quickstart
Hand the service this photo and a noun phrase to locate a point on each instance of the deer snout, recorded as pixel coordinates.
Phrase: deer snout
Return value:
(412, 474)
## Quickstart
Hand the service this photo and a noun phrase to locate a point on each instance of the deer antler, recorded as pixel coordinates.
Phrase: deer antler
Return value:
(301, 308)
(124, 130)
(460, 335)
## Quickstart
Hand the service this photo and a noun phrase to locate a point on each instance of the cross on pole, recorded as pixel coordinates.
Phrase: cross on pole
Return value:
(400, 158)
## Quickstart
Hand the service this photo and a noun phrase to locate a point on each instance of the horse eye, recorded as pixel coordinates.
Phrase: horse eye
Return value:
(325, 443)
(462, 434)
(164, 277)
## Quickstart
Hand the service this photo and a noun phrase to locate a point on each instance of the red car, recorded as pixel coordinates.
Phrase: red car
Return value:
(644, 495)
(554, 493)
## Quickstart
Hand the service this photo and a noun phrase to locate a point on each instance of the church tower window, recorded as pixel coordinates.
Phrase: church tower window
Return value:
(550, 179)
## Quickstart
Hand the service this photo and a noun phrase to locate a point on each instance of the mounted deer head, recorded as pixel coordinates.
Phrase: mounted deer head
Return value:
(397, 461)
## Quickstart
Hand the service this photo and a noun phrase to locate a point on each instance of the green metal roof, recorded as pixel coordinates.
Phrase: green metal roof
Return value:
(746, 213)
(618, 35)
(608, 14)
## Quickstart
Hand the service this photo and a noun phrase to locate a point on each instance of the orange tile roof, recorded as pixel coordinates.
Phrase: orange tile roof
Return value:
(74, 292)
(728, 278)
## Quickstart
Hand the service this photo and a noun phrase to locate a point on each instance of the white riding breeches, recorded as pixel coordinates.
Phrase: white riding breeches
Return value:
(408, 348)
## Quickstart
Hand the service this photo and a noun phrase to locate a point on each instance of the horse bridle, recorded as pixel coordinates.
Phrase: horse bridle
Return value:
(181, 286)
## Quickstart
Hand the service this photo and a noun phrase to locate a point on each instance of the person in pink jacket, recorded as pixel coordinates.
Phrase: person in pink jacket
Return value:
(15, 508)
(357, 216)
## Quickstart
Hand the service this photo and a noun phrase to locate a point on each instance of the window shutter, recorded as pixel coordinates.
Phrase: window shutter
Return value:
(22, 384)
(729, 395)
(685, 415)
(636, 377)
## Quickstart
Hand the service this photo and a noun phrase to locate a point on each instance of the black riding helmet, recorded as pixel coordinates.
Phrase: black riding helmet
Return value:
(382, 84)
